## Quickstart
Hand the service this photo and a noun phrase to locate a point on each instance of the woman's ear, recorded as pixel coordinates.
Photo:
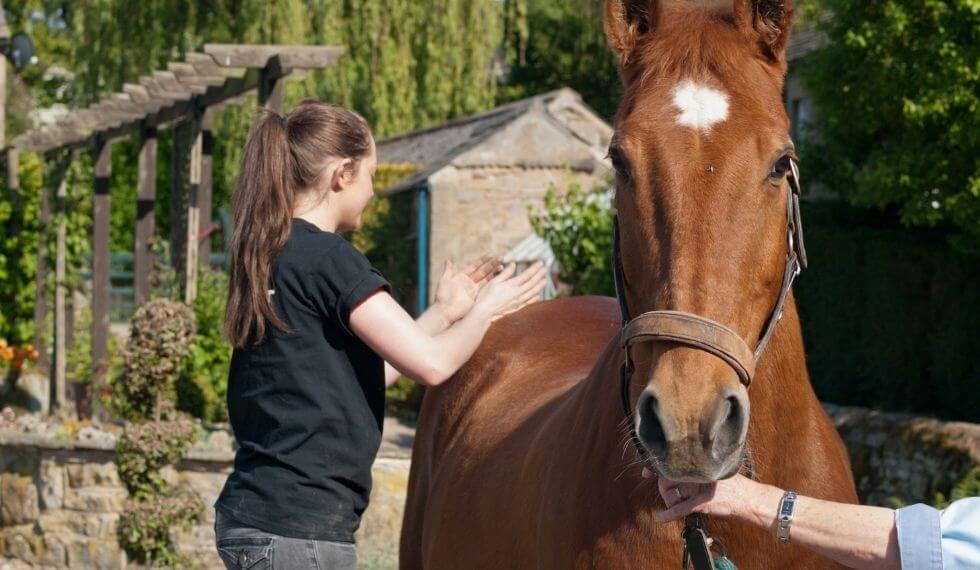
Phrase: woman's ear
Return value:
(341, 174)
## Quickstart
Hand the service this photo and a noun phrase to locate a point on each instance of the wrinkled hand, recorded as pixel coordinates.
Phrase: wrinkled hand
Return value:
(457, 290)
(725, 498)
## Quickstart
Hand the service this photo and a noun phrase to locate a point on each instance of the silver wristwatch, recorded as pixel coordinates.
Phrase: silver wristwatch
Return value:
(785, 517)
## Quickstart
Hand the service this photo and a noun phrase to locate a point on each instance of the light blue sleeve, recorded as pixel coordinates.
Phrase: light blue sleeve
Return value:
(919, 538)
(940, 540)
(960, 524)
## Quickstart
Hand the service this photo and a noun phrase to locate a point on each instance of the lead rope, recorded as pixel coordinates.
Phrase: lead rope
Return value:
(698, 541)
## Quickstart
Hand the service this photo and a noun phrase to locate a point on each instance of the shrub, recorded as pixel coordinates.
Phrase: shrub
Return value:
(157, 435)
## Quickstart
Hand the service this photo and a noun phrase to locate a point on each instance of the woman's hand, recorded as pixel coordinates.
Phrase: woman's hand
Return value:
(456, 291)
(506, 293)
(731, 497)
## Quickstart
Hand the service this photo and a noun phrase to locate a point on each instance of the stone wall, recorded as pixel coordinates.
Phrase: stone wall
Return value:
(901, 459)
(60, 501)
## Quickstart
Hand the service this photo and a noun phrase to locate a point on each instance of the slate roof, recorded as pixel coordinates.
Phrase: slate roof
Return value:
(434, 148)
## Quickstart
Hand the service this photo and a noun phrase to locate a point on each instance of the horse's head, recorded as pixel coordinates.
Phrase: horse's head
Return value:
(701, 152)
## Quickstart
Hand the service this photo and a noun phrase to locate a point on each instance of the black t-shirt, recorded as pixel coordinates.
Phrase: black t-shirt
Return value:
(307, 405)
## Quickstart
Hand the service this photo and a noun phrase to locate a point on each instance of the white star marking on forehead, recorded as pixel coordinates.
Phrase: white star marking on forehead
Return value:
(701, 106)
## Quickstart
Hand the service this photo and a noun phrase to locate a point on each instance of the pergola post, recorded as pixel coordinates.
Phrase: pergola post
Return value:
(100, 260)
(145, 198)
(62, 326)
(193, 213)
(271, 84)
(204, 190)
(178, 200)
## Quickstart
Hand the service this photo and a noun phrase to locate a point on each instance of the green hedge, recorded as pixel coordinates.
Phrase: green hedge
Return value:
(889, 315)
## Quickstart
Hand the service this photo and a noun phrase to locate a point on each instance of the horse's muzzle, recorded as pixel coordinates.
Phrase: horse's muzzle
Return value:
(703, 448)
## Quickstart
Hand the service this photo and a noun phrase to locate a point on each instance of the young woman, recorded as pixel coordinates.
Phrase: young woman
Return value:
(317, 337)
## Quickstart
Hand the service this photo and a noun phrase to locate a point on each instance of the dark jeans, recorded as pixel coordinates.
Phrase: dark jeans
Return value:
(241, 546)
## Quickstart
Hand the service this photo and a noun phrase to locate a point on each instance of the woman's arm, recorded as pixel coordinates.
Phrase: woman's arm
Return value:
(430, 359)
(853, 535)
(432, 322)
(455, 294)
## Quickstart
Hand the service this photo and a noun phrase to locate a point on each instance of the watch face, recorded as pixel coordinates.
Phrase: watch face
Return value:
(787, 508)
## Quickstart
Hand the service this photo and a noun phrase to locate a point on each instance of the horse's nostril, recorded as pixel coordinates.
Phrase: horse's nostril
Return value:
(728, 429)
(650, 430)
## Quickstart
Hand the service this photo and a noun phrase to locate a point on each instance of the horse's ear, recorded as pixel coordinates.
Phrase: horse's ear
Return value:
(769, 21)
(628, 22)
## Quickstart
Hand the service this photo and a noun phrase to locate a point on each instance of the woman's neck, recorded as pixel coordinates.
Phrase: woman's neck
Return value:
(319, 217)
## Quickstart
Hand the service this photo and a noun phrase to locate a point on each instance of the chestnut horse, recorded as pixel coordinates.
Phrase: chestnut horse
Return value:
(523, 459)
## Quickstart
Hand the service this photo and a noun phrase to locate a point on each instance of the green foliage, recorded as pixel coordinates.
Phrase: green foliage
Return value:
(203, 387)
(144, 528)
(145, 448)
(157, 435)
(578, 227)
(968, 486)
(387, 225)
(898, 93)
(404, 398)
(19, 235)
(384, 237)
(888, 315)
(159, 341)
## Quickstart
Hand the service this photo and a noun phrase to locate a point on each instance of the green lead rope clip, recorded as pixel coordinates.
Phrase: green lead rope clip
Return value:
(723, 563)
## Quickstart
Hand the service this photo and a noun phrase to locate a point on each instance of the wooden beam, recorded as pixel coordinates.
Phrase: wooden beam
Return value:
(100, 261)
(158, 91)
(187, 74)
(173, 107)
(258, 56)
(146, 193)
(203, 63)
(138, 93)
(170, 82)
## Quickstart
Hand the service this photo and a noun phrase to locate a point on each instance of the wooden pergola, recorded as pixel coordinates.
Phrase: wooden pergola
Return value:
(185, 96)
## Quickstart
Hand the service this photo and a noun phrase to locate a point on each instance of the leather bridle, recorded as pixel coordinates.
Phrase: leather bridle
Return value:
(705, 334)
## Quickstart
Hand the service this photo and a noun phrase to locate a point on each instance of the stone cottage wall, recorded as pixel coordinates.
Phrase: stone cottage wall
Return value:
(484, 210)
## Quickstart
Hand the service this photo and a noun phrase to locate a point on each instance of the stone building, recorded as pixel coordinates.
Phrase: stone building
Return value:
(475, 177)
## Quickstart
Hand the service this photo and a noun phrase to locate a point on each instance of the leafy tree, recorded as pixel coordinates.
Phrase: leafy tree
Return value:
(898, 93)
(566, 47)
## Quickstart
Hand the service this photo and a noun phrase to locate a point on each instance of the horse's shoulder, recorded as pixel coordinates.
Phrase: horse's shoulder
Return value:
(553, 324)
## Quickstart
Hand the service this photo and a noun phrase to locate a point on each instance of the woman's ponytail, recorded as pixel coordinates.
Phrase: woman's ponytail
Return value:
(262, 213)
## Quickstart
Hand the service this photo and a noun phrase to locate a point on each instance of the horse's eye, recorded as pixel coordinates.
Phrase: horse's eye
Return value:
(619, 165)
(781, 167)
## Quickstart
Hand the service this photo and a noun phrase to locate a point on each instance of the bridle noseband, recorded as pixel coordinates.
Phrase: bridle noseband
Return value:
(710, 336)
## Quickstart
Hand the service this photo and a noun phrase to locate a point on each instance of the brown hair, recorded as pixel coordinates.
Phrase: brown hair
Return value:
(283, 156)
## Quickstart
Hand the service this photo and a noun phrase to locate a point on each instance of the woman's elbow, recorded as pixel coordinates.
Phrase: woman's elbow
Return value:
(434, 375)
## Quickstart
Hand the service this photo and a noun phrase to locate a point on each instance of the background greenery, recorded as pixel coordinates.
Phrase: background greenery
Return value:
(898, 93)
(889, 308)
